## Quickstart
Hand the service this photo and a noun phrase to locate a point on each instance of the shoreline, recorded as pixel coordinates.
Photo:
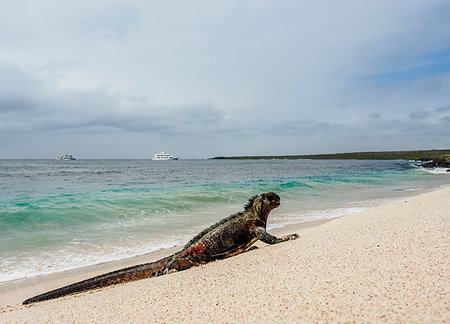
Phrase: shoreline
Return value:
(132, 221)
(387, 263)
(14, 292)
(368, 155)
(277, 229)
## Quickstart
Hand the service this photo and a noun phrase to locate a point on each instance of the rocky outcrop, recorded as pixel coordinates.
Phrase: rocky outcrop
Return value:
(438, 163)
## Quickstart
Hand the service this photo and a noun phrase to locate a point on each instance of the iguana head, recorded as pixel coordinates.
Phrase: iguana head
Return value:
(263, 204)
(270, 200)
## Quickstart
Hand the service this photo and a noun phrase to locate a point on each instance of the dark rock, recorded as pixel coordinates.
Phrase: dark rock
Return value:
(437, 163)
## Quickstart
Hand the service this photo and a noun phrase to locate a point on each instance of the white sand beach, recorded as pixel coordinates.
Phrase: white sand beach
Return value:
(386, 264)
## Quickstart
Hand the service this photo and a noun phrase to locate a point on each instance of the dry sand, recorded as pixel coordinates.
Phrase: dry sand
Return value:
(386, 264)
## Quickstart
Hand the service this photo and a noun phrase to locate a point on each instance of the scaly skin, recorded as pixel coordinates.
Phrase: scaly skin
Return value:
(228, 237)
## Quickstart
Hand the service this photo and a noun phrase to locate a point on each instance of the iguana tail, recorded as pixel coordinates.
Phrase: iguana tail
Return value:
(141, 271)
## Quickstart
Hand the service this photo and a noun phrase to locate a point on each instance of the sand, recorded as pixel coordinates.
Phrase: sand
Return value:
(386, 264)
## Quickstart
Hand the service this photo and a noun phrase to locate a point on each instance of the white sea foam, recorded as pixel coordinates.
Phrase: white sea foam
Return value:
(436, 170)
(288, 218)
(29, 265)
(294, 218)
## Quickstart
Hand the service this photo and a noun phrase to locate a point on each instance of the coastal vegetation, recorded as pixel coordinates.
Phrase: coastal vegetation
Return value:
(384, 155)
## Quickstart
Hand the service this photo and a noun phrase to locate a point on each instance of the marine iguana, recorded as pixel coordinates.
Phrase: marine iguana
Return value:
(230, 236)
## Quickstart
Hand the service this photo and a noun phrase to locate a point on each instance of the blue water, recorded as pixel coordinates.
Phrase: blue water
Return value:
(59, 215)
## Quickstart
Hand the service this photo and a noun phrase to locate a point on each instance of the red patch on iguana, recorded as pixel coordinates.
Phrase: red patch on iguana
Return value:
(251, 225)
(196, 251)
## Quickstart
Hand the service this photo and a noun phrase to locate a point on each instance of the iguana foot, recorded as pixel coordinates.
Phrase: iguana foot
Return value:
(290, 237)
(166, 271)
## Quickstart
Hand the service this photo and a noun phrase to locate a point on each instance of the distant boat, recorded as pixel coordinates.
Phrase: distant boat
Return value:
(163, 157)
(66, 157)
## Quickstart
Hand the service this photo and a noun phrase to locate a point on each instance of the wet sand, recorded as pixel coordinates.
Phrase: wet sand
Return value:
(387, 264)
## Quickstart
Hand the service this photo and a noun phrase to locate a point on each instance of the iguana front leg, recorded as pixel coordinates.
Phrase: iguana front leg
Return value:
(262, 235)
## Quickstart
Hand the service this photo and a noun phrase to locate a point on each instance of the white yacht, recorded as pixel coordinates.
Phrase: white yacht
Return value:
(66, 157)
(163, 157)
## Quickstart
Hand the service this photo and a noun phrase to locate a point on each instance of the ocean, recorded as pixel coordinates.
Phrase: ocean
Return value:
(60, 215)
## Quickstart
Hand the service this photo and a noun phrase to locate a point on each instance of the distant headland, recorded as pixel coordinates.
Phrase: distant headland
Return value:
(420, 155)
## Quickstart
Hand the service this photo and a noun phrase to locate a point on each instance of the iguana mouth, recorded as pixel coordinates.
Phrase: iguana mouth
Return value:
(276, 203)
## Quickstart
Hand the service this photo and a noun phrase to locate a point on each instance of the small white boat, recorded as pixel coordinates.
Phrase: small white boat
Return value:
(163, 157)
(66, 157)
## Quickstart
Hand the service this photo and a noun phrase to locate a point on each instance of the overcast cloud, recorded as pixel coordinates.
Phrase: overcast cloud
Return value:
(127, 79)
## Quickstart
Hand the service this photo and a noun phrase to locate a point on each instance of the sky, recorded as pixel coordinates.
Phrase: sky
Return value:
(197, 79)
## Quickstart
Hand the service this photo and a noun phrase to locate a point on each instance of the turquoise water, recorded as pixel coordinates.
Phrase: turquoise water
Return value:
(59, 215)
